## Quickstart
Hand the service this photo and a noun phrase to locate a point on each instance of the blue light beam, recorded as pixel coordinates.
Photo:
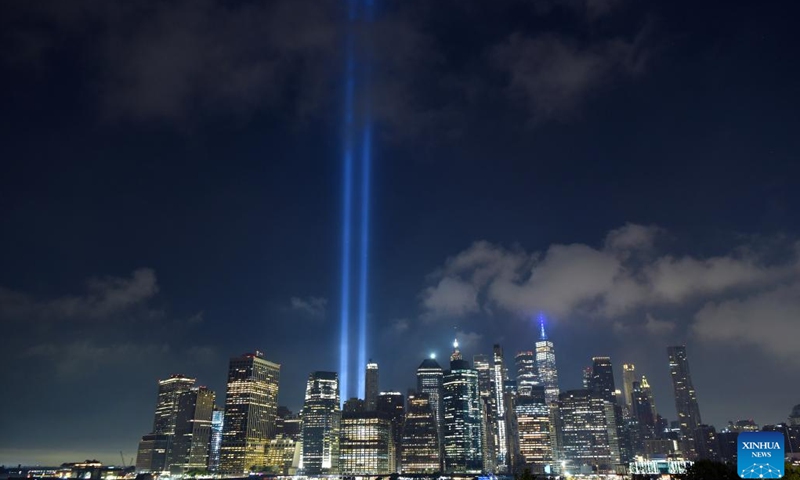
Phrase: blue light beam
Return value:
(366, 163)
(347, 207)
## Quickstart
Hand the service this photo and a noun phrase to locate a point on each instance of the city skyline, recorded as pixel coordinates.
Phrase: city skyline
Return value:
(176, 192)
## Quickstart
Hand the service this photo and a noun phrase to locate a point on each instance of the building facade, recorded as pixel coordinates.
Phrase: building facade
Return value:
(371, 387)
(251, 405)
(463, 450)
(685, 399)
(365, 444)
(321, 423)
(546, 363)
(588, 431)
(419, 452)
(192, 441)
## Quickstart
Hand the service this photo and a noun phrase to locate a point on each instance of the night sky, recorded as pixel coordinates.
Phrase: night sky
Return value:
(171, 197)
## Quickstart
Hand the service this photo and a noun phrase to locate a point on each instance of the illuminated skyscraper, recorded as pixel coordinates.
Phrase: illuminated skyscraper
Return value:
(429, 382)
(546, 362)
(603, 378)
(533, 430)
(500, 377)
(488, 404)
(420, 446)
(463, 449)
(167, 409)
(628, 377)
(527, 374)
(192, 441)
(685, 398)
(251, 405)
(217, 421)
(372, 389)
(321, 425)
(393, 405)
(154, 452)
(366, 445)
(588, 430)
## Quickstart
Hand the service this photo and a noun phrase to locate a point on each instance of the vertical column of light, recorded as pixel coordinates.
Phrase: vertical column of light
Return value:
(347, 202)
(366, 161)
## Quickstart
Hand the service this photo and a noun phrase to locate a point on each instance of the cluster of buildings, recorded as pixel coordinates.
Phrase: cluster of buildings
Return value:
(469, 418)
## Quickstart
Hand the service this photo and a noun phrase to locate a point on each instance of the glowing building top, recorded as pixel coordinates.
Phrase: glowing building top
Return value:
(546, 363)
(456, 355)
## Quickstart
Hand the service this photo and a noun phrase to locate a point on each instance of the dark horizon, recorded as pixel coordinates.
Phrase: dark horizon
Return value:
(173, 189)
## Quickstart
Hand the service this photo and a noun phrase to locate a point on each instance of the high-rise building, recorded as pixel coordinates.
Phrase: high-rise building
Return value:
(589, 433)
(488, 396)
(603, 378)
(419, 451)
(429, 382)
(365, 444)
(372, 389)
(217, 421)
(546, 361)
(279, 455)
(481, 364)
(642, 413)
(463, 448)
(533, 430)
(393, 405)
(192, 440)
(167, 409)
(155, 449)
(500, 377)
(456, 355)
(321, 425)
(628, 377)
(685, 398)
(251, 405)
(527, 374)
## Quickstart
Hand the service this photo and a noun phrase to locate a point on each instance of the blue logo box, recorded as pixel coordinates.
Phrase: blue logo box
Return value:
(760, 455)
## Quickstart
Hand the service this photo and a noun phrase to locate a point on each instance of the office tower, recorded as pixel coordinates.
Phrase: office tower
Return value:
(603, 378)
(728, 447)
(588, 430)
(192, 440)
(321, 425)
(167, 408)
(217, 421)
(533, 430)
(706, 443)
(393, 405)
(546, 361)
(510, 395)
(419, 451)
(429, 382)
(527, 374)
(685, 398)
(371, 394)
(500, 377)
(642, 413)
(354, 405)
(489, 407)
(628, 377)
(153, 454)
(251, 405)
(648, 393)
(463, 448)
(365, 443)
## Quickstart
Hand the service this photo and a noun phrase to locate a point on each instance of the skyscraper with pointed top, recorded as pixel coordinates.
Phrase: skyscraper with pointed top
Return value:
(546, 363)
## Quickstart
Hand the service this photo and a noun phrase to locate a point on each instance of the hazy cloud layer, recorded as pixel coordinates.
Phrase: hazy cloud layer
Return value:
(626, 276)
(315, 307)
